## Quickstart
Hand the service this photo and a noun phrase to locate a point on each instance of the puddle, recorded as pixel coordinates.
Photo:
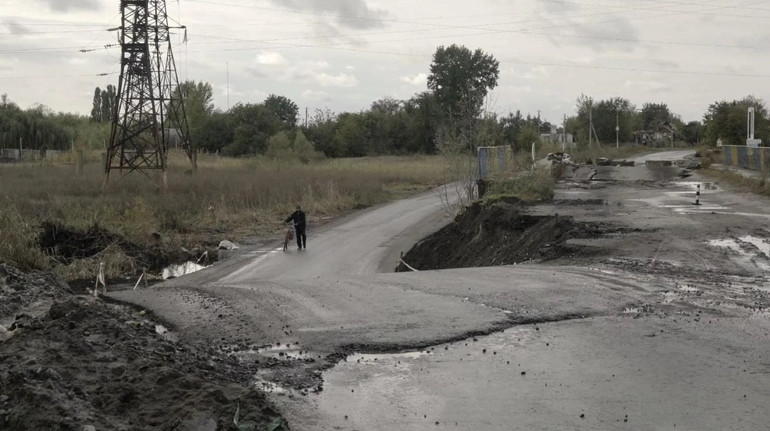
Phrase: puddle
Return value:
(759, 243)
(549, 376)
(175, 271)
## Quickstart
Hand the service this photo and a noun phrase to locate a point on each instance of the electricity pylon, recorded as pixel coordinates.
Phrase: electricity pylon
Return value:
(149, 106)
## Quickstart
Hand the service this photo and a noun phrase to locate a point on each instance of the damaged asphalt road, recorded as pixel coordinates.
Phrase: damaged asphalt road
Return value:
(661, 326)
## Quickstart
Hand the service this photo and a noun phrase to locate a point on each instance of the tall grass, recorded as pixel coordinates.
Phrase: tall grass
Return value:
(225, 199)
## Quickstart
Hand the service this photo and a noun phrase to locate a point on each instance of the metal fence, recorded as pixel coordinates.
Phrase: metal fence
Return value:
(494, 161)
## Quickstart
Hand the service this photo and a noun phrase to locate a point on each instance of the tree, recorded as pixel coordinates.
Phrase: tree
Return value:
(655, 114)
(215, 132)
(284, 110)
(321, 130)
(606, 115)
(350, 138)
(108, 103)
(692, 132)
(727, 121)
(96, 109)
(422, 113)
(198, 106)
(460, 79)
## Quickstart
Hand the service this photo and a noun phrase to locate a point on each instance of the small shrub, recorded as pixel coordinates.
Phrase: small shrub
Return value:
(527, 186)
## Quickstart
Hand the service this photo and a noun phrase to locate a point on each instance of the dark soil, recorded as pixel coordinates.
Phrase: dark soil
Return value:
(66, 245)
(82, 361)
(500, 232)
(19, 290)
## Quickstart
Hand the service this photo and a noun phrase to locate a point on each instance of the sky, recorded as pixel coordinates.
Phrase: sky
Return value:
(342, 55)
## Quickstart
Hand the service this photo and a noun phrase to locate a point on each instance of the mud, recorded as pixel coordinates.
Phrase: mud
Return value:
(83, 362)
(502, 232)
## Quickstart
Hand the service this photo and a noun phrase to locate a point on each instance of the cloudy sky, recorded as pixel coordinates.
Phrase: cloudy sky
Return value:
(345, 54)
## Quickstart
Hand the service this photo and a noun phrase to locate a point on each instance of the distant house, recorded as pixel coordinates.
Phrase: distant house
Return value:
(557, 136)
(657, 136)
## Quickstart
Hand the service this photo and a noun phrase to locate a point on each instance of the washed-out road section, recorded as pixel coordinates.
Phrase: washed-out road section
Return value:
(589, 345)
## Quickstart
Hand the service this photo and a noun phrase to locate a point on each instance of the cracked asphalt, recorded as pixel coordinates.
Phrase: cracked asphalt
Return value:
(662, 331)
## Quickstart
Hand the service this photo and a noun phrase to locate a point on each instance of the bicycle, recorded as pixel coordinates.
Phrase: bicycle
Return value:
(289, 236)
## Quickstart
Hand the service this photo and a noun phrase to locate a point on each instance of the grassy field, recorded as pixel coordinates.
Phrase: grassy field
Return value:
(226, 199)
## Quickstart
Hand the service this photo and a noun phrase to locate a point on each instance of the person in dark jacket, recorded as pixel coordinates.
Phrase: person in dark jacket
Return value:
(298, 218)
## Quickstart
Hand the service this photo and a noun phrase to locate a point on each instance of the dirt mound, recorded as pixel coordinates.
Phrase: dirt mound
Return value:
(498, 233)
(89, 363)
(19, 290)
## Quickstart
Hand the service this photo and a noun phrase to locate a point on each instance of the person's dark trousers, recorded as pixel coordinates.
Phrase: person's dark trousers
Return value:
(301, 237)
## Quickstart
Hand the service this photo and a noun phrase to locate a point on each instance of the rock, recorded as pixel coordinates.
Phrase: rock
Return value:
(89, 428)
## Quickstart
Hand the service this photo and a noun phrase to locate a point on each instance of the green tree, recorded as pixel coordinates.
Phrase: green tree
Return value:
(422, 120)
(321, 130)
(284, 110)
(198, 106)
(350, 139)
(692, 132)
(460, 79)
(279, 146)
(215, 132)
(655, 114)
(96, 108)
(728, 120)
(108, 103)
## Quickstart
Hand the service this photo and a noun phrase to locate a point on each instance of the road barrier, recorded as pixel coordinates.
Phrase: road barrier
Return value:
(747, 157)
(697, 196)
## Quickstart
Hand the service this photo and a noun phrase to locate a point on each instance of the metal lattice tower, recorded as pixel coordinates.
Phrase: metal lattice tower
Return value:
(149, 107)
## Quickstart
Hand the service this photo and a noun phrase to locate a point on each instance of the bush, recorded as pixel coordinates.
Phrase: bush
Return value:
(527, 186)
(18, 240)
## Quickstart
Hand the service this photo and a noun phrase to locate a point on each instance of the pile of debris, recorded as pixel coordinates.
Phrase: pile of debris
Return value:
(72, 362)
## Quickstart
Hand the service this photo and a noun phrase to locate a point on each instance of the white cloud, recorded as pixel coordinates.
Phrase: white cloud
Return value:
(67, 5)
(340, 80)
(271, 58)
(316, 95)
(420, 79)
(354, 14)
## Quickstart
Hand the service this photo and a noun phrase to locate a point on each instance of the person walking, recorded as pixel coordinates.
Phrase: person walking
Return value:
(298, 218)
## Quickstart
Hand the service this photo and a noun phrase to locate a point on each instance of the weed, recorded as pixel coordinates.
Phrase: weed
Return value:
(226, 199)
(526, 185)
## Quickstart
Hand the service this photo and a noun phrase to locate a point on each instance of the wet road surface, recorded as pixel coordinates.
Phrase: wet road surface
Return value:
(621, 342)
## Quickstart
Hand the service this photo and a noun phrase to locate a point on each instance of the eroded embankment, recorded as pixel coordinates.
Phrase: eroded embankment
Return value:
(501, 232)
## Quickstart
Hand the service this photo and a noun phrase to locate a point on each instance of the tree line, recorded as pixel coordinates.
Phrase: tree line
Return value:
(449, 116)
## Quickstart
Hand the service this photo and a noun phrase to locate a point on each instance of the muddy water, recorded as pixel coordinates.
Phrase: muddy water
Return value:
(613, 373)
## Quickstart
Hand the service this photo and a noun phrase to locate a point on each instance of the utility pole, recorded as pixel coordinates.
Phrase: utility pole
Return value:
(564, 134)
(590, 123)
(149, 103)
(617, 129)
